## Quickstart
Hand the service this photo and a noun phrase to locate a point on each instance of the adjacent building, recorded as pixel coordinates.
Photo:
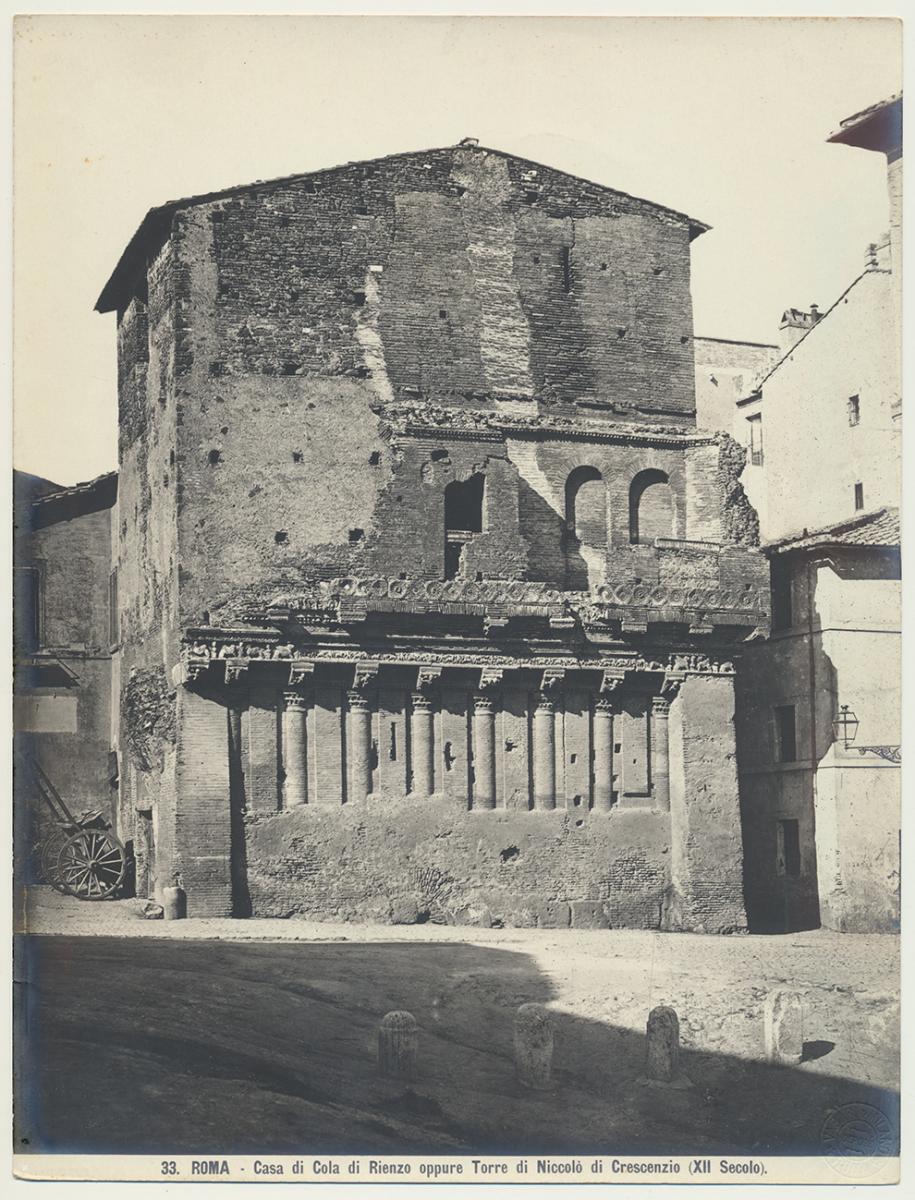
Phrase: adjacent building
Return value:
(432, 593)
(819, 702)
(65, 634)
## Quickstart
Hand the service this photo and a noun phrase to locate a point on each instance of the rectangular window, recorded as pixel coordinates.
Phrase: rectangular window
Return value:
(27, 608)
(854, 410)
(113, 626)
(756, 443)
(788, 849)
(780, 583)
(859, 496)
(785, 734)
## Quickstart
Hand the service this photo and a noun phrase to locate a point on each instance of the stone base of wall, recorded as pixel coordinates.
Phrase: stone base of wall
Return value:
(410, 860)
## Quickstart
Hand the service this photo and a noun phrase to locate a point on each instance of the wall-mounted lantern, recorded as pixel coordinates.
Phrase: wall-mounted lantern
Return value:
(845, 728)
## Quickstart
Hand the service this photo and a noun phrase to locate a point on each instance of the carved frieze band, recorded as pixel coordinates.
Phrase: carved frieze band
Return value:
(203, 656)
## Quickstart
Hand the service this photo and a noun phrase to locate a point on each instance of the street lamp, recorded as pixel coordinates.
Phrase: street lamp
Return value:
(845, 728)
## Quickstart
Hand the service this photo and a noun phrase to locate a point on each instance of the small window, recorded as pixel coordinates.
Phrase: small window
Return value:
(27, 607)
(780, 583)
(464, 505)
(756, 444)
(854, 410)
(788, 849)
(785, 734)
(113, 624)
(859, 496)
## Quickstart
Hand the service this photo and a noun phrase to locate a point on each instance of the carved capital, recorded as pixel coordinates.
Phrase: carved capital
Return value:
(605, 707)
(236, 668)
(300, 672)
(552, 680)
(366, 675)
(358, 701)
(295, 701)
(421, 701)
(660, 706)
(611, 682)
(490, 679)
(670, 687)
(426, 679)
(546, 702)
(484, 702)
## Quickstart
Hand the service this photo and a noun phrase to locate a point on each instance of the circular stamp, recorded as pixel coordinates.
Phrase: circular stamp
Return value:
(855, 1134)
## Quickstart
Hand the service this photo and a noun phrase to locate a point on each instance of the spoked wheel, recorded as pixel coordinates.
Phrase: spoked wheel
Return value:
(91, 864)
(49, 856)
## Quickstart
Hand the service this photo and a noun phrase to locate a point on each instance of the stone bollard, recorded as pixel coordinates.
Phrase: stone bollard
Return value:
(533, 1046)
(784, 1027)
(174, 903)
(663, 1030)
(398, 1037)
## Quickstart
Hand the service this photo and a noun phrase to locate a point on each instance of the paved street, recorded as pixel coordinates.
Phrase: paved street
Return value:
(152, 1035)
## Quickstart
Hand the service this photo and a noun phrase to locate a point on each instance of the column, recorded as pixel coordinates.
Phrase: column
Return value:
(360, 743)
(422, 744)
(545, 752)
(295, 750)
(660, 752)
(484, 751)
(603, 754)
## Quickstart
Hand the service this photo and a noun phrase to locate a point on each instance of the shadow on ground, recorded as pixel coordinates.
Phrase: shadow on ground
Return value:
(147, 1046)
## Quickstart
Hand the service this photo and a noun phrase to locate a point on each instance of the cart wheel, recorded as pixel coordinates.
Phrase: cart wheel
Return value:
(91, 864)
(48, 854)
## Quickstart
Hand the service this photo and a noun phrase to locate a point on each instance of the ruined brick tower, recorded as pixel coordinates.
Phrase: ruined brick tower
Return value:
(431, 594)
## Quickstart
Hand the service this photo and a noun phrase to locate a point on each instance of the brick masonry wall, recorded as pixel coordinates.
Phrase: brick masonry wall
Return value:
(453, 276)
(407, 860)
(147, 553)
(397, 856)
(707, 849)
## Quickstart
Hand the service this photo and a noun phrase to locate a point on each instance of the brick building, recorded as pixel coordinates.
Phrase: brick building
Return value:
(64, 637)
(431, 591)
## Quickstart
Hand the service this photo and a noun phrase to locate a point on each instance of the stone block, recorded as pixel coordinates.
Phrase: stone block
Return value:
(533, 1046)
(398, 1042)
(783, 1017)
(663, 1045)
(589, 914)
(552, 914)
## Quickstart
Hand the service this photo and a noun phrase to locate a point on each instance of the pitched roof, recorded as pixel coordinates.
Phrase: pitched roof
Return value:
(67, 502)
(757, 383)
(877, 127)
(878, 528)
(155, 226)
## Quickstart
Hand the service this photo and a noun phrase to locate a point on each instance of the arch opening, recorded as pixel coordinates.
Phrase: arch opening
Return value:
(651, 507)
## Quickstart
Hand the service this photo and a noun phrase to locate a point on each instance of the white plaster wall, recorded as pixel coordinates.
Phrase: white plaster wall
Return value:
(813, 458)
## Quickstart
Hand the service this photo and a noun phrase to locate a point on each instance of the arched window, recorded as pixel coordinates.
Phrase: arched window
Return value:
(651, 508)
(586, 506)
(586, 527)
(463, 518)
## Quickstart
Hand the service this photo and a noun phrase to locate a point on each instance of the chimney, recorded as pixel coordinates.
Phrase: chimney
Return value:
(794, 324)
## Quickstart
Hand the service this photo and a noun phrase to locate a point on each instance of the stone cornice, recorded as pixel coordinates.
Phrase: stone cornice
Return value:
(471, 424)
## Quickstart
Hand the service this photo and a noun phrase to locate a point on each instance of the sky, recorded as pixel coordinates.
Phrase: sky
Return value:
(724, 119)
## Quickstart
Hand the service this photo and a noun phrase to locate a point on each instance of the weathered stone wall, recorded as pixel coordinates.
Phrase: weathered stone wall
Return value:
(67, 727)
(725, 373)
(447, 276)
(407, 860)
(147, 559)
